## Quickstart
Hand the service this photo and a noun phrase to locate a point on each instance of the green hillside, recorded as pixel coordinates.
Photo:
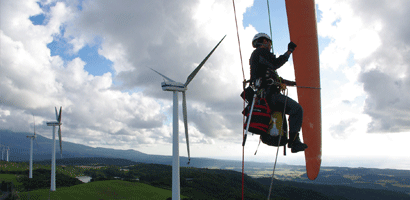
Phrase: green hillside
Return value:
(113, 189)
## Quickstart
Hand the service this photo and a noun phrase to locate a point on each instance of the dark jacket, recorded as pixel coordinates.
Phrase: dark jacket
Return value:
(263, 64)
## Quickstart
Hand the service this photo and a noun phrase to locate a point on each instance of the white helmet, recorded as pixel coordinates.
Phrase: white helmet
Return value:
(257, 36)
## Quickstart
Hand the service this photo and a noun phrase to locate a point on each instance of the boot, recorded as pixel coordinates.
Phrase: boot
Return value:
(295, 144)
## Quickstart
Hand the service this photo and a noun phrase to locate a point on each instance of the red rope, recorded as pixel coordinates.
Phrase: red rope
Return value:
(243, 119)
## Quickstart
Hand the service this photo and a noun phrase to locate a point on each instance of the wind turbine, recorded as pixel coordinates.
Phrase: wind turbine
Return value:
(175, 87)
(53, 155)
(31, 149)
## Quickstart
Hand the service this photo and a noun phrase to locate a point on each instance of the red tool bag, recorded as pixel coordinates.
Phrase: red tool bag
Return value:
(260, 119)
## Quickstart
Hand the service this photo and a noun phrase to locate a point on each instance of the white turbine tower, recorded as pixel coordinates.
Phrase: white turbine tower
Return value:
(2, 153)
(53, 155)
(175, 87)
(7, 157)
(31, 149)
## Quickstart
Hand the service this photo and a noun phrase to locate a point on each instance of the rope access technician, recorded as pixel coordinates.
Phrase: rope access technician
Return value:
(263, 65)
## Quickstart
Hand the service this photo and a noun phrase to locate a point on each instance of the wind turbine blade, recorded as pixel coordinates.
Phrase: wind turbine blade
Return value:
(162, 75)
(186, 124)
(56, 113)
(59, 115)
(59, 137)
(192, 75)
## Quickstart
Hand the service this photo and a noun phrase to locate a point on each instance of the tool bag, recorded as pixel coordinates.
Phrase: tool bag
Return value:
(277, 130)
(260, 117)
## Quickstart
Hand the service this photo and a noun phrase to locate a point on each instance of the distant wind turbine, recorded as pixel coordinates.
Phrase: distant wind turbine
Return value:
(2, 153)
(53, 155)
(175, 87)
(8, 149)
(31, 148)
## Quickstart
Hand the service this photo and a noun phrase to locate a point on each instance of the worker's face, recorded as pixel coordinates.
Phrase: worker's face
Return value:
(267, 44)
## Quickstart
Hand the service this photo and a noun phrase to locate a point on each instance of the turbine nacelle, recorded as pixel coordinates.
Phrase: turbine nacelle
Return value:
(54, 123)
(173, 86)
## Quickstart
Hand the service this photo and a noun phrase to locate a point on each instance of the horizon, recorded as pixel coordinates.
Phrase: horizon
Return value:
(393, 163)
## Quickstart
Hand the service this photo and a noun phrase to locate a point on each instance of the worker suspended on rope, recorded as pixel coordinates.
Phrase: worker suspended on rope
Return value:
(263, 65)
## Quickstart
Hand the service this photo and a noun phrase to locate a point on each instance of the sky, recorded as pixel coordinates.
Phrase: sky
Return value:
(93, 58)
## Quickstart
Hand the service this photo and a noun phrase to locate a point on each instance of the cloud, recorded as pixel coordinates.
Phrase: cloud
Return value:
(388, 102)
(343, 129)
(374, 36)
(125, 108)
(385, 72)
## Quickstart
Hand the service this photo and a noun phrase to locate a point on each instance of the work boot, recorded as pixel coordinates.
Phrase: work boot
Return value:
(295, 144)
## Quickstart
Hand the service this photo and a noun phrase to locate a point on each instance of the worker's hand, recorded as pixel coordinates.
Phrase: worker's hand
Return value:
(282, 86)
(291, 46)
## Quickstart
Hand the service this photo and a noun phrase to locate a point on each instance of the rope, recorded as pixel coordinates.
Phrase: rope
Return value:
(277, 150)
(239, 42)
(243, 118)
(309, 87)
(270, 24)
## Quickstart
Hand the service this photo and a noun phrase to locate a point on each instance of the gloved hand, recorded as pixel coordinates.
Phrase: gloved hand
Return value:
(291, 46)
(282, 86)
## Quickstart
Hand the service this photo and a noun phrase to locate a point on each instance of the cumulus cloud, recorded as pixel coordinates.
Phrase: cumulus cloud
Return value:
(126, 108)
(374, 35)
(385, 72)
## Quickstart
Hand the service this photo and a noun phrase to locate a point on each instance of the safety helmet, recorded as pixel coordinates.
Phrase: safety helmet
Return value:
(257, 36)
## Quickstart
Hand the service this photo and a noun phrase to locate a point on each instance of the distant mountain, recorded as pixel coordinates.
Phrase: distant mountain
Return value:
(20, 151)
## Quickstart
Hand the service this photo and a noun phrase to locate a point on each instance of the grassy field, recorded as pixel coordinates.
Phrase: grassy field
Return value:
(10, 178)
(71, 171)
(102, 190)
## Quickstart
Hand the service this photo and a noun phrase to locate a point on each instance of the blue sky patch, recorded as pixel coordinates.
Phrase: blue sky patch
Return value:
(96, 64)
(38, 19)
(258, 17)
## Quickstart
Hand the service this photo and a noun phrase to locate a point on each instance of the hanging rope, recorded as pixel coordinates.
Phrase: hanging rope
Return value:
(243, 119)
(283, 117)
(270, 24)
(239, 42)
(277, 150)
